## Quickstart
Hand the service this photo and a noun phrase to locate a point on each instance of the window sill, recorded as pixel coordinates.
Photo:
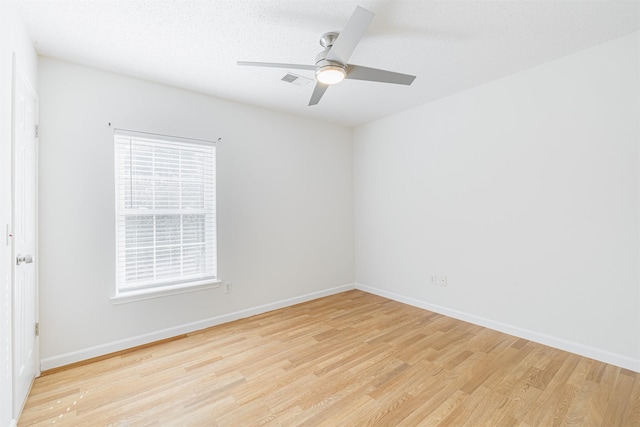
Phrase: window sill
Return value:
(145, 294)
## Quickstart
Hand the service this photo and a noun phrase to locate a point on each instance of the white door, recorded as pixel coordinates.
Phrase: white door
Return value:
(24, 237)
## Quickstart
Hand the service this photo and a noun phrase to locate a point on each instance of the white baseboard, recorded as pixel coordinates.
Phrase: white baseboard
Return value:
(573, 347)
(101, 350)
(551, 341)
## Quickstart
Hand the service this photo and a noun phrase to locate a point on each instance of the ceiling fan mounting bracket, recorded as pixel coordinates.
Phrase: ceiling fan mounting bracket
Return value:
(328, 39)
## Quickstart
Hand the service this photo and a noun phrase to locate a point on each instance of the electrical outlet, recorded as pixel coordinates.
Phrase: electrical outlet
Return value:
(228, 287)
(433, 280)
(442, 281)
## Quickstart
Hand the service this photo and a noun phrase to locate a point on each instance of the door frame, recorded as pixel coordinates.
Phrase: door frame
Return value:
(17, 72)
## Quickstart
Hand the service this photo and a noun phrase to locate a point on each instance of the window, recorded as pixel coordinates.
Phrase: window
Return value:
(165, 212)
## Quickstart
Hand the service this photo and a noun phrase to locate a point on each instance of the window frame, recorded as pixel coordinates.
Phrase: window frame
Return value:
(154, 288)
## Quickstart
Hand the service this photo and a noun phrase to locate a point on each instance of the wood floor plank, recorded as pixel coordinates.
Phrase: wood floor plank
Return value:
(618, 402)
(347, 359)
(632, 413)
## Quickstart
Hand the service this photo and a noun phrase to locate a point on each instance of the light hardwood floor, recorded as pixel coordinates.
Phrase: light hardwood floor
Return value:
(350, 359)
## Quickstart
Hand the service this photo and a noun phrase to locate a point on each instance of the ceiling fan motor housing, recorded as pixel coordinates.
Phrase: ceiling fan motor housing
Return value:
(329, 72)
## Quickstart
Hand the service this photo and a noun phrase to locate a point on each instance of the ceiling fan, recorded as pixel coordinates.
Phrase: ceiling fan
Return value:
(331, 64)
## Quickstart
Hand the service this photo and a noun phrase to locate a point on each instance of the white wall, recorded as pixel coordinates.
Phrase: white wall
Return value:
(285, 209)
(13, 40)
(525, 193)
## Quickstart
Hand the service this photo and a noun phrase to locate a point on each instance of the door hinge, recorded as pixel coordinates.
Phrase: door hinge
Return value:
(38, 329)
(37, 130)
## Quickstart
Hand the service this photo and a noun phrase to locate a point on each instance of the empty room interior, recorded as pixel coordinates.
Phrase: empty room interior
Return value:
(333, 213)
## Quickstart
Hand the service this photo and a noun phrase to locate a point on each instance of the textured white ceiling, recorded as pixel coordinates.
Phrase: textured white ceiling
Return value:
(449, 45)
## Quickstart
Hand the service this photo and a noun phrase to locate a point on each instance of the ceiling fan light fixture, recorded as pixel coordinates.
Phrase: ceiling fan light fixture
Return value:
(330, 74)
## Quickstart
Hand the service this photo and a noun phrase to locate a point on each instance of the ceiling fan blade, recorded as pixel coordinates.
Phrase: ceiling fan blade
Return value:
(276, 65)
(358, 72)
(349, 37)
(318, 91)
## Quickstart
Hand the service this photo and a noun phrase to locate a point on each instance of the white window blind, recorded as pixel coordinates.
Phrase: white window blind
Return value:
(165, 211)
